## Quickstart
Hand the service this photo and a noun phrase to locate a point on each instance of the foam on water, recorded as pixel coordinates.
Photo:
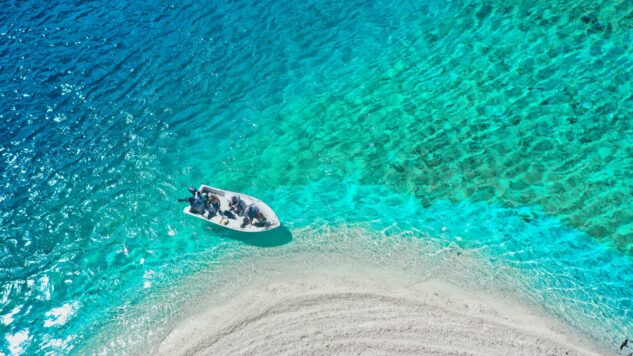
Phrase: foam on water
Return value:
(16, 341)
(59, 316)
(504, 123)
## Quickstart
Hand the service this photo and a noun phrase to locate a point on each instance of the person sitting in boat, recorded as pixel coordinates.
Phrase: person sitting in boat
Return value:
(252, 213)
(213, 205)
(196, 202)
(237, 205)
(261, 220)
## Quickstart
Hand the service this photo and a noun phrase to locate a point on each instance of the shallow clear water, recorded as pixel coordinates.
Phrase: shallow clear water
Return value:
(508, 124)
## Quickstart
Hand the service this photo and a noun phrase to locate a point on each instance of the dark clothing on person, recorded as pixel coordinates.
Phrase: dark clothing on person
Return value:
(252, 211)
(213, 209)
(237, 205)
(196, 204)
(245, 222)
(214, 202)
(212, 205)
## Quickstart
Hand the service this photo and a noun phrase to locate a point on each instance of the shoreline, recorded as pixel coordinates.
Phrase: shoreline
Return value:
(334, 303)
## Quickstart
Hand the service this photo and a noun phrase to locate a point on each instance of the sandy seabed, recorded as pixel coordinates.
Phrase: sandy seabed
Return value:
(330, 304)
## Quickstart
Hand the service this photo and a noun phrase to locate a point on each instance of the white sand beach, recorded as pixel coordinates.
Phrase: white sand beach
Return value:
(337, 305)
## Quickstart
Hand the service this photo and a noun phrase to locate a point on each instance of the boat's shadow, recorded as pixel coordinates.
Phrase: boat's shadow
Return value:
(272, 238)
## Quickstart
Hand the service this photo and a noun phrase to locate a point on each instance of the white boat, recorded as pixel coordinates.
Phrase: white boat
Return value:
(271, 222)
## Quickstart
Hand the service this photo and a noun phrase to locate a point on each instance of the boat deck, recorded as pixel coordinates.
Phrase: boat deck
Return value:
(235, 224)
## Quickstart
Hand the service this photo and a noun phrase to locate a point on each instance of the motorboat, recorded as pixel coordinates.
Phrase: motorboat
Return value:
(229, 219)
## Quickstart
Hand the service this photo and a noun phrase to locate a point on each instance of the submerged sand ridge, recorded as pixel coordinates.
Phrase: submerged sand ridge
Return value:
(336, 304)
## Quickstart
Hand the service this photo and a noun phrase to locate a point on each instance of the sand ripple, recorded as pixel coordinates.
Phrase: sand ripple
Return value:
(349, 314)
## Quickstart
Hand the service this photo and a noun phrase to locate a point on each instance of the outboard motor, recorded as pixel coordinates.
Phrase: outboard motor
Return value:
(192, 190)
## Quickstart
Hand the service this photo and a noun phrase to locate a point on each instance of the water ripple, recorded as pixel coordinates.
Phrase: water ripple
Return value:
(506, 121)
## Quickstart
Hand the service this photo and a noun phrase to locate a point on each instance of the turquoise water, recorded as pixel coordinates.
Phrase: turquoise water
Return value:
(507, 123)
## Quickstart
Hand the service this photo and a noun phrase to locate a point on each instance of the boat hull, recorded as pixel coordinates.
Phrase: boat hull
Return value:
(272, 222)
